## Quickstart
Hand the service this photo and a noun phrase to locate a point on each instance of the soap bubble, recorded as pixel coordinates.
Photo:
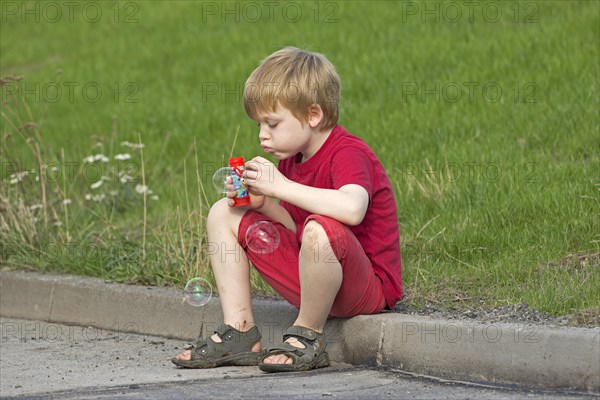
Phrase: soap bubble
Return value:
(220, 179)
(262, 237)
(197, 292)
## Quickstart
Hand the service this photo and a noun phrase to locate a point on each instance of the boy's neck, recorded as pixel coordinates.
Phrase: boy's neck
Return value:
(319, 138)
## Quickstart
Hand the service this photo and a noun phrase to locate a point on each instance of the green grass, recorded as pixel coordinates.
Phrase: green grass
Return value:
(494, 192)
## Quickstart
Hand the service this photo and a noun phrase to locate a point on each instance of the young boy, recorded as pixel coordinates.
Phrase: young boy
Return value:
(333, 206)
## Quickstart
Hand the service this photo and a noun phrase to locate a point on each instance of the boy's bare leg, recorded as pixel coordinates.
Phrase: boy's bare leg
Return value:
(231, 269)
(320, 280)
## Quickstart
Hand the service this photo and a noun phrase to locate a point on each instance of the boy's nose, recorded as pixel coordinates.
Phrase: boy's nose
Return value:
(263, 135)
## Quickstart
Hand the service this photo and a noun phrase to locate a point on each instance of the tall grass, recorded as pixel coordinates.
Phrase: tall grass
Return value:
(496, 197)
(113, 237)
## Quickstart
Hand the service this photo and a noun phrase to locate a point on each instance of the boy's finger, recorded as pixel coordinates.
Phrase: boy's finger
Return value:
(248, 175)
(250, 167)
(254, 191)
(260, 160)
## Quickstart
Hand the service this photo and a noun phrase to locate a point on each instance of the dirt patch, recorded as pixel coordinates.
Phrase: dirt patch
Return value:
(515, 313)
(576, 262)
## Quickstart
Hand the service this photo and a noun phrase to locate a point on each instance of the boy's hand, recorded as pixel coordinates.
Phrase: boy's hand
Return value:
(263, 177)
(257, 199)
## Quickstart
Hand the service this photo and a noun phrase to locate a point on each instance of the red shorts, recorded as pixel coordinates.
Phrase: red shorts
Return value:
(361, 291)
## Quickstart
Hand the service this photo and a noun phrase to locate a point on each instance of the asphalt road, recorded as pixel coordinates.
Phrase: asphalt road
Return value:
(40, 360)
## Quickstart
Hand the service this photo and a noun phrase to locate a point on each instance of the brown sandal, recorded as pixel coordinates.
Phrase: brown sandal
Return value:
(313, 356)
(234, 349)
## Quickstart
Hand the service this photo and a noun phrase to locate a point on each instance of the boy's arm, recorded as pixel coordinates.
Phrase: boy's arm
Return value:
(265, 205)
(347, 204)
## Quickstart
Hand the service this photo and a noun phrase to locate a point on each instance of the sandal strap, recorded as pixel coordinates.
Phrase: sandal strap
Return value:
(306, 336)
(225, 332)
(228, 332)
(232, 342)
(312, 340)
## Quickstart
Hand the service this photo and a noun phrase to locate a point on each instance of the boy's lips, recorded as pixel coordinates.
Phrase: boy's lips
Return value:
(266, 148)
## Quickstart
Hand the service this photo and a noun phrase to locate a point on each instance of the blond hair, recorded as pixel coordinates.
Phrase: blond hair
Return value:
(295, 79)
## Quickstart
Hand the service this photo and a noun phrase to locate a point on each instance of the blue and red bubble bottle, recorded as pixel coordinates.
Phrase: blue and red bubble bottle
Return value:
(242, 197)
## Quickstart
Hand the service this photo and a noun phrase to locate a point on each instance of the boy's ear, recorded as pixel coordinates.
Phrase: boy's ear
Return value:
(315, 115)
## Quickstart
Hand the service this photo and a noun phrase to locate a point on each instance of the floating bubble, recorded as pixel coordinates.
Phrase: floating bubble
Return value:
(262, 237)
(197, 292)
(220, 179)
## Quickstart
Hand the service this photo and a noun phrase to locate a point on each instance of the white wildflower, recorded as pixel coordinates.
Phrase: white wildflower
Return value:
(57, 223)
(113, 193)
(37, 178)
(66, 202)
(95, 197)
(35, 207)
(18, 177)
(123, 157)
(141, 189)
(135, 146)
(94, 158)
(97, 184)
(124, 177)
(154, 197)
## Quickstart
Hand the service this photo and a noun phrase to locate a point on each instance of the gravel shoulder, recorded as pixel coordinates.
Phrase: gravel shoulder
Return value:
(515, 313)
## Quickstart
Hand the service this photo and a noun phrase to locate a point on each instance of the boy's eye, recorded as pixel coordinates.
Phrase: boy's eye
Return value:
(269, 124)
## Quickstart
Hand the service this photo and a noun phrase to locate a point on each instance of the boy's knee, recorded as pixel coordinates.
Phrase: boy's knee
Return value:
(314, 233)
(217, 211)
(221, 214)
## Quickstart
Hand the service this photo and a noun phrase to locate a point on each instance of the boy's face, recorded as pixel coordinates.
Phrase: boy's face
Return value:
(283, 136)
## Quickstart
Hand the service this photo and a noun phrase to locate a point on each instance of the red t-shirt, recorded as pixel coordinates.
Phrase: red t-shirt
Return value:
(346, 159)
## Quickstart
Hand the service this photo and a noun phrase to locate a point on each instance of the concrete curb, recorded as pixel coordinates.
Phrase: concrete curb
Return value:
(517, 354)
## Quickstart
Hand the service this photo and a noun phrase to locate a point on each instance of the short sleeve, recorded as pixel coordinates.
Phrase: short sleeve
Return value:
(352, 165)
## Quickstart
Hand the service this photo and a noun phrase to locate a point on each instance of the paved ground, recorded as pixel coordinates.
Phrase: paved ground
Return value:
(53, 361)
(527, 355)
